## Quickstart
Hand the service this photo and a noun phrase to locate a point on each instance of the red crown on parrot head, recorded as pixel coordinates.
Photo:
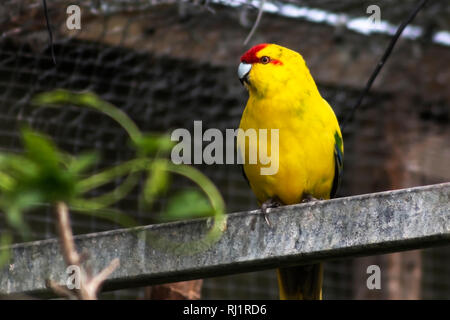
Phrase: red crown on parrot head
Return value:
(250, 55)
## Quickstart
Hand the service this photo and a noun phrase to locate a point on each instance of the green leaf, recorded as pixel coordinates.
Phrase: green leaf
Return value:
(18, 166)
(92, 209)
(82, 162)
(204, 183)
(40, 149)
(121, 191)
(7, 183)
(187, 204)
(151, 143)
(157, 181)
(15, 206)
(88, 100)
(40, 169)
(5, 253)
(52, 98)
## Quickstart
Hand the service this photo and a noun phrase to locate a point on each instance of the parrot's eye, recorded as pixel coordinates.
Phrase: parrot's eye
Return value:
(265, 59)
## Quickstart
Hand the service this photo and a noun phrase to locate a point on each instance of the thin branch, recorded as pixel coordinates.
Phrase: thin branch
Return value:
(383, 60)
(89, 284)
(60, 290)
(256, 24)
(50, 34)
(69, 252)
(96, 281)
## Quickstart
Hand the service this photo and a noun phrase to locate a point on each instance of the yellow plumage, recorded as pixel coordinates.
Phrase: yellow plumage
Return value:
(284, 96)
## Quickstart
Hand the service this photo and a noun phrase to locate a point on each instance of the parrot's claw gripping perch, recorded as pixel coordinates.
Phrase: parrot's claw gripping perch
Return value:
(269, 203)
(309, 198)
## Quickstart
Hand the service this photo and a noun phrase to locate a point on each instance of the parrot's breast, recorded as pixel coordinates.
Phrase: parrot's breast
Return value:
(305, 151)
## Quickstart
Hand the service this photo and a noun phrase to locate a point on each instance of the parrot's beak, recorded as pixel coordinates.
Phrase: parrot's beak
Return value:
(243, 71)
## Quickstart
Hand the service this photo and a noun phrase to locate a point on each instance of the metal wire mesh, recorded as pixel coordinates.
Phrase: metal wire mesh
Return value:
(162, 90)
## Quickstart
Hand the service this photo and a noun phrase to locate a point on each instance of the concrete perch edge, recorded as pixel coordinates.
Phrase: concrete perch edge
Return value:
(299, 234)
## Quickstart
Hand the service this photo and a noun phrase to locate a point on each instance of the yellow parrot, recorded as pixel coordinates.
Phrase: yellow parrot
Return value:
(284, 96)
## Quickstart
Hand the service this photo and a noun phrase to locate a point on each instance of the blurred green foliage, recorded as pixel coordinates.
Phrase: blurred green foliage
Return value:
(187, 203)
(43, 174)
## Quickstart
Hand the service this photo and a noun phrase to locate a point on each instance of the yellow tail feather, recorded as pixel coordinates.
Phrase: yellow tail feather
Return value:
(301, 282)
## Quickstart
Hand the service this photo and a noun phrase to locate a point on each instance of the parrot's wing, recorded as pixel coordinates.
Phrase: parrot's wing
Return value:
(245, 176)
(338, 164)
(241, 157)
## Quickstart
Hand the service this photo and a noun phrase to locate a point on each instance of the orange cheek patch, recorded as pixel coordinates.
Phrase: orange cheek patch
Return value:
(276, 62)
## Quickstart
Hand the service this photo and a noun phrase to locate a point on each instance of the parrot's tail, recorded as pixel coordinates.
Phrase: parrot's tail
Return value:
(301, 282)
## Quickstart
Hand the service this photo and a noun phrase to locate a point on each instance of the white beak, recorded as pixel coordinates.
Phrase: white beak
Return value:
(243, 70)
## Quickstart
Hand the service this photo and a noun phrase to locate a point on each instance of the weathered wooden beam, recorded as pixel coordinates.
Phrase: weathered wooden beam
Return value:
(299, 234)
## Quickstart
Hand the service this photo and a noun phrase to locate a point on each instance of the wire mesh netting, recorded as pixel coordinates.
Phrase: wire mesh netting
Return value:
(168, 65)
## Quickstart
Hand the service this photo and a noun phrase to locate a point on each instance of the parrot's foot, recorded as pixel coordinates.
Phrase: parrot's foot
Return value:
(269, 203)
(309, 198)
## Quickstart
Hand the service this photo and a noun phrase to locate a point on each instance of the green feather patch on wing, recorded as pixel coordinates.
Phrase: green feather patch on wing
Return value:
(338, 163)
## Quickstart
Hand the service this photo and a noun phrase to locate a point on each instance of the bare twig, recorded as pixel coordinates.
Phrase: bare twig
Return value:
(256, 24)
(383, 60)
(60, 290)
(70, 254)
(89, 284)
(96, 281)
(50, 34)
